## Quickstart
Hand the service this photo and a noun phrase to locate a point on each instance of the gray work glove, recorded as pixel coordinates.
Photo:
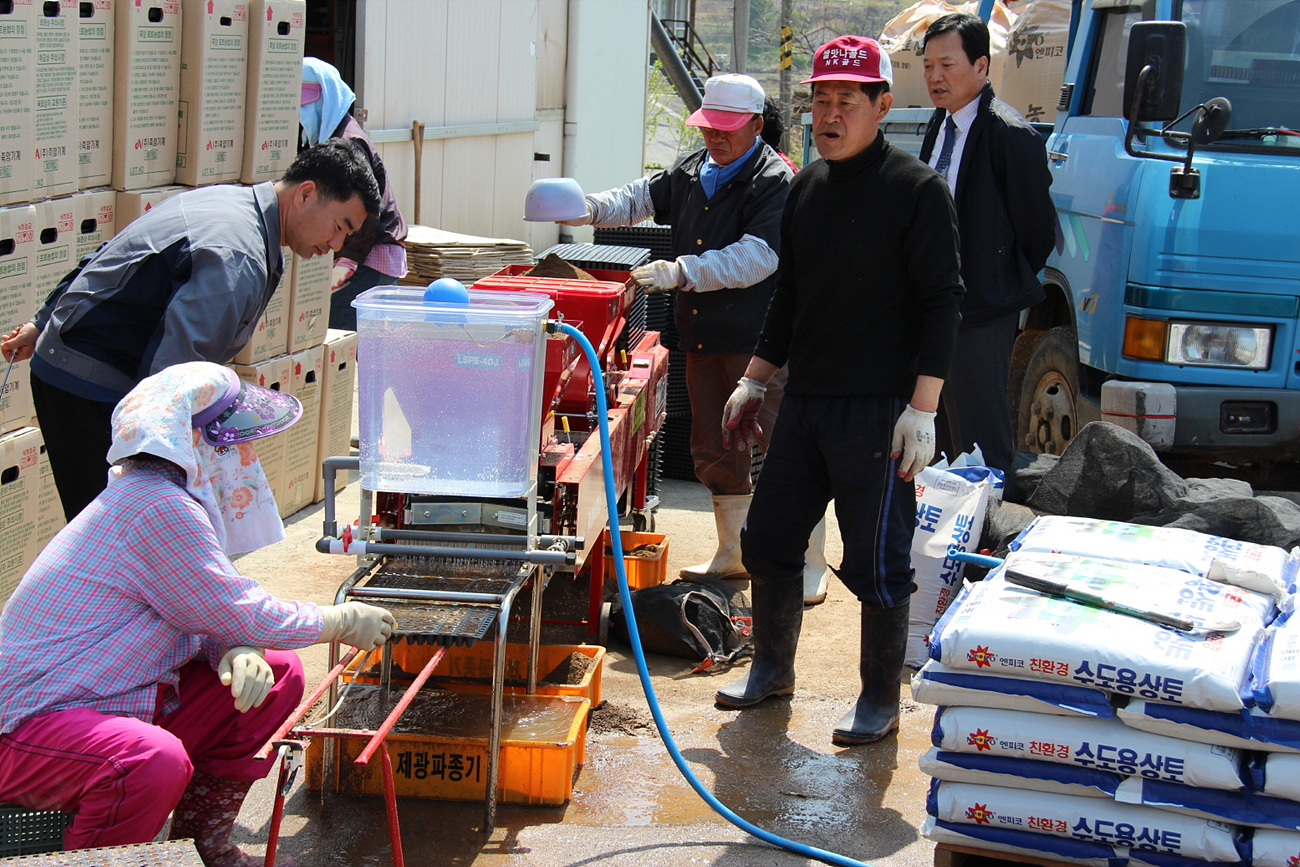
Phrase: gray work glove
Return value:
(356, 624)
(248, 674)
(660, 275)
(914, 441)
(740, 416)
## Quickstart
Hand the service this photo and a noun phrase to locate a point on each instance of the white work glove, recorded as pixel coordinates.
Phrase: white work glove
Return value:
(584, 220)
(914, 440)
(660, 275)
(341, 272)
(740, 415)
(356, 624)
(249, 676)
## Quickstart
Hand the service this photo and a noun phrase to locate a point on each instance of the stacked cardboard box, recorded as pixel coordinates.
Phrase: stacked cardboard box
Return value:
(19, 471)
(276, 374)
(301, 468)
(17, 92)
(57, 56)
(338, 383)
(214, 76)
(146, 84)
(277, 35)
(95, 36)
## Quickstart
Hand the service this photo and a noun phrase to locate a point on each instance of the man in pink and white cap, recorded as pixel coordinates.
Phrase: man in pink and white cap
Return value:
(864, 317)
(724, 204)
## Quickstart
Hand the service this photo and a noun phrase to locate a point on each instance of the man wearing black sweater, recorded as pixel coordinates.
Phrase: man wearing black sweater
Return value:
(865, 314)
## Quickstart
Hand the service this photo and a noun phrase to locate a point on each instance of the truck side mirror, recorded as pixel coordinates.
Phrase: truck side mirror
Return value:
(1162, 46)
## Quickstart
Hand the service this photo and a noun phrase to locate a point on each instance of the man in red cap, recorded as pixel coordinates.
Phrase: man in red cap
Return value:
(864, 316)
(724, 205)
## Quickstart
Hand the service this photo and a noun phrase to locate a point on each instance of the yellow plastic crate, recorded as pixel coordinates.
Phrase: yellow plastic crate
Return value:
(470, 668)
(543, 744)
(641, 571)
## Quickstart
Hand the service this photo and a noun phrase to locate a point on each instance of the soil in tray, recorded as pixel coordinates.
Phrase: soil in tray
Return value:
(443, 713)
(553, 266)
(643, 552)
(570, 671)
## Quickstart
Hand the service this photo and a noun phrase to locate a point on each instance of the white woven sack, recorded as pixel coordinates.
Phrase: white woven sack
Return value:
(949, 514)
(1271, 848)
(1036, 846)
(1261, 568)
(1250, 730)
(1004, 629)
(1098, 744)
(1125, 826)
(937, 684)
(946, 766)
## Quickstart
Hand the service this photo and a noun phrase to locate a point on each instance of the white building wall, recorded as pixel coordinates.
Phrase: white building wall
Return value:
(495, 83)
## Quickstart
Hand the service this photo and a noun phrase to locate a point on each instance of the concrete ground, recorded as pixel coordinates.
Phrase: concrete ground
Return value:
(774, 765)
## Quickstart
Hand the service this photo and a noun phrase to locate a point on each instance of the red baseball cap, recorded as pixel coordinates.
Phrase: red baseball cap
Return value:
(851, 58)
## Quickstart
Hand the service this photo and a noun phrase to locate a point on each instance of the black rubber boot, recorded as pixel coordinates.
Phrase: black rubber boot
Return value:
(883, 652)
(777, 609)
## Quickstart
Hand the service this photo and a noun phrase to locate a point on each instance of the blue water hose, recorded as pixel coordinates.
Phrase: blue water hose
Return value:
(634, 635)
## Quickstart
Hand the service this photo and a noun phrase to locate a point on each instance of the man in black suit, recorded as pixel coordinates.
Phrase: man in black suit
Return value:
(996, 166)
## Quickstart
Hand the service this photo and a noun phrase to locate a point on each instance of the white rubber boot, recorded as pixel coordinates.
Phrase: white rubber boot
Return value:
(816, 574)
(729, 512)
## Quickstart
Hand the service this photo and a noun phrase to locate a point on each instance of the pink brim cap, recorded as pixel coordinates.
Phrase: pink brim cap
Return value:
(842, 76)
(714, 118)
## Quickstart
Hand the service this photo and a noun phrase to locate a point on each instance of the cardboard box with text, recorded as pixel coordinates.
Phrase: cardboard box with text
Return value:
(277, 32)
(338, 383)
(276, 374)
(20, 454)
(301, 467)
(132, 203)
(55, 242)
(214, 79)
(146, 85)
(17, 102)
(57, 100)
(309, 310)
(17, 265)
(95, 93)
(94, 214)
(272, 330)
(49, 508)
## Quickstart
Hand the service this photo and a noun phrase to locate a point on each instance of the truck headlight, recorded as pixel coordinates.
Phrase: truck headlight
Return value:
(1213, 344)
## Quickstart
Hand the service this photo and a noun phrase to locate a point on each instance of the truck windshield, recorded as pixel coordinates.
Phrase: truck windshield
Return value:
(1249, 52)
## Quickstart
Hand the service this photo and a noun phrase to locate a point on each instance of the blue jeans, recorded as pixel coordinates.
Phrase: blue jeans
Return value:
(837, 449)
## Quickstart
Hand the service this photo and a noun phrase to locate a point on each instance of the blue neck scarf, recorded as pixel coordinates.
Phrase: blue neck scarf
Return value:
(321, 117)
(713, 175)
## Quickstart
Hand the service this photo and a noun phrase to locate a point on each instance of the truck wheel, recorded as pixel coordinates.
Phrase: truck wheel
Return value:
(1047, 420)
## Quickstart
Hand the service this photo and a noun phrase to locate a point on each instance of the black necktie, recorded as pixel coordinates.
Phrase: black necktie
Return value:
(945, 154)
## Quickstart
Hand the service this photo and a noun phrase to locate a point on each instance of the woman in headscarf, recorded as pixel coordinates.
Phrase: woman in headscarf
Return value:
(374, 254)
(140, 671)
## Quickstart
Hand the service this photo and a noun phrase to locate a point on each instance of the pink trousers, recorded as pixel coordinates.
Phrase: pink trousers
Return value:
(121, 777)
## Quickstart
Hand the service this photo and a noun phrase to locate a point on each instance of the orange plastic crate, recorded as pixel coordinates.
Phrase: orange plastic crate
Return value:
(533, 767)
(641, 571)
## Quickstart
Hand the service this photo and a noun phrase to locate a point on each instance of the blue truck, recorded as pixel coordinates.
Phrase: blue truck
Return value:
(1173, 294)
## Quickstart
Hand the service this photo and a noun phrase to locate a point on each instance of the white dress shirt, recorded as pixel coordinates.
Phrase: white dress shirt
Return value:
(963, 118)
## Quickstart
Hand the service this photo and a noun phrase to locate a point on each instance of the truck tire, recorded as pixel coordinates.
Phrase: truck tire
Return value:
(1047, 417)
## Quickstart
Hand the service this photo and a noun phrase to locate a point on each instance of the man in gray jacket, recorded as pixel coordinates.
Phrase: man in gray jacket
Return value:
(187, 281)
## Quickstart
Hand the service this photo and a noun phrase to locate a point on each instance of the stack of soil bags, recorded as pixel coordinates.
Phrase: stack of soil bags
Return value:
(1082, 734)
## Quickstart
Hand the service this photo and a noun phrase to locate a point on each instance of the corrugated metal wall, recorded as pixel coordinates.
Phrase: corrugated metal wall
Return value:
(498, 84)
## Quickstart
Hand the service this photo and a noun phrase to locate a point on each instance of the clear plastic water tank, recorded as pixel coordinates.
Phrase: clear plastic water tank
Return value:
(450, 394)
